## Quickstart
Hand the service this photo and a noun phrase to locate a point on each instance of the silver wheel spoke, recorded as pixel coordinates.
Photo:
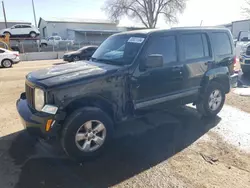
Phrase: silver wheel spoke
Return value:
(86, 145)
(87, 138)
(88, 125)
(99, 128)
(210, 104)
(81, 136)
(98, 140)
(214, 106)
(216, 93)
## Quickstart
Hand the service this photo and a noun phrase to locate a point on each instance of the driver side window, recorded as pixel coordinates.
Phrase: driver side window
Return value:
(163, 45)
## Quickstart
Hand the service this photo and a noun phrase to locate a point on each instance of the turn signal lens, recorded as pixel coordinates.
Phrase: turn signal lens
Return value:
(48, 125)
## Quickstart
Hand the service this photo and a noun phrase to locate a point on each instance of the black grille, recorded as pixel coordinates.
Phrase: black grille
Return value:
(30, 95)
(248, 50)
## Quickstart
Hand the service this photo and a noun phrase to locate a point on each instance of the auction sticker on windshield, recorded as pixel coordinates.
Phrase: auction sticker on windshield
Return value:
(136, 40)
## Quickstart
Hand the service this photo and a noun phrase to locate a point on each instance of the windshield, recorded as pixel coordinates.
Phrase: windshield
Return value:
(119, 49)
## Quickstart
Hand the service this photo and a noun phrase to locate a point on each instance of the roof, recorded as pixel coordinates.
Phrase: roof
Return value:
(95, 31)
(77, 20)
(149, 31)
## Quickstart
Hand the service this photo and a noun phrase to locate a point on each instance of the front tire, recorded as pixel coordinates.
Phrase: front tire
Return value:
(7, 33)
(212, 100)
(76, 58)
(7, 63)
(86, 133)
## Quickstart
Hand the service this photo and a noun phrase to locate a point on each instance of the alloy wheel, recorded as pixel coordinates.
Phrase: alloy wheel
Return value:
(90, 136)
(215, 100)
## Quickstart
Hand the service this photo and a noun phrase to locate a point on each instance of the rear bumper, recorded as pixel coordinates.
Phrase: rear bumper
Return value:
(35, 122)
(245, 63)
(245, 67)
(15, 61)
(234, 80)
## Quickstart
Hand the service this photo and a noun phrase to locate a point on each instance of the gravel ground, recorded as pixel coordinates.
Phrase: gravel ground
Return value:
(163, 149)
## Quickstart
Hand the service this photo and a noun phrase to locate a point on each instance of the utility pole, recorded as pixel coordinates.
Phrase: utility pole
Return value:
(4, 15)
(34, 12)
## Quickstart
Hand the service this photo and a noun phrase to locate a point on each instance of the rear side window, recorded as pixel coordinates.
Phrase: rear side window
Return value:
(26, 26)
(165, 46)
(1, 51)
(221, 42)
(195, 46)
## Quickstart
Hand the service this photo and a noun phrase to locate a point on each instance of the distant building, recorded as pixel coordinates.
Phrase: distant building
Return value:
(82, 31)
(237, 26)
(11, 23)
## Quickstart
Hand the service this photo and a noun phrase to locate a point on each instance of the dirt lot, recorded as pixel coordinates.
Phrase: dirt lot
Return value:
(164, 149)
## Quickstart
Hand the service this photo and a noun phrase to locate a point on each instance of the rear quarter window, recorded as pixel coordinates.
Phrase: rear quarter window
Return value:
(221, 43)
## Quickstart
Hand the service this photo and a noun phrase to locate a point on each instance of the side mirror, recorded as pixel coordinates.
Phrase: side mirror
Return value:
(153, 61)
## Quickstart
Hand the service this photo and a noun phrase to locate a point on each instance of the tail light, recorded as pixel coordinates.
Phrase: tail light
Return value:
(16, 55)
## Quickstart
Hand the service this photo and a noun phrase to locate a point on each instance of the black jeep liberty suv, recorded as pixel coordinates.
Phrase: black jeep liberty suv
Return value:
(80, 103)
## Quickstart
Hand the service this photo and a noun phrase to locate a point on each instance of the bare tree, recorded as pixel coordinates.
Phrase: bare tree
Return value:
(246, 8)
(147, 11)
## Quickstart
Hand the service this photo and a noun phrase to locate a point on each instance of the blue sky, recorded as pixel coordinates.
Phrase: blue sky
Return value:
(212, 12)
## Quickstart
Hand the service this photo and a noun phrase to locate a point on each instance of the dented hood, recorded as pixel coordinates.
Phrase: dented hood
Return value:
(70, 72)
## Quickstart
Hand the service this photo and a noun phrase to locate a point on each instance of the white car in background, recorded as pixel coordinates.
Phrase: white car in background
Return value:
(55, 41)
(8, 58)
(21, 30)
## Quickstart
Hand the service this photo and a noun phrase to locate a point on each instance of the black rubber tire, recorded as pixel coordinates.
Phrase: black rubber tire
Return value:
(7, 33)
(2, 63)
(203, 107)
(32, 32)
(73, 123)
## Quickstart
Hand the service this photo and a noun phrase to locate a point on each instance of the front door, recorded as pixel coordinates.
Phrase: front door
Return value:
(16, 30)
(152, 86)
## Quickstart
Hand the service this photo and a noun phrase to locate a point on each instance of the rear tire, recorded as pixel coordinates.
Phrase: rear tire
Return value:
(5, 33)
(32, 34)
(6, 63)
(212, 100)
(80, 138)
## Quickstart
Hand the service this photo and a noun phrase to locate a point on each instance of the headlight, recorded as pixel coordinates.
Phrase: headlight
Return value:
(39, 99)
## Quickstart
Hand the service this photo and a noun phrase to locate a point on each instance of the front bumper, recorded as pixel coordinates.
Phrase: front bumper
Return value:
(35, 122)
(245, 63)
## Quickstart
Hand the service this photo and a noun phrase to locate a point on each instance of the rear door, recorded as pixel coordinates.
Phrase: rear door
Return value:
(26, 29)
(196, 57)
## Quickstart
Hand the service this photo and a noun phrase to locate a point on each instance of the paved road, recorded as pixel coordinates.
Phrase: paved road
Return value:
(154, 139)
